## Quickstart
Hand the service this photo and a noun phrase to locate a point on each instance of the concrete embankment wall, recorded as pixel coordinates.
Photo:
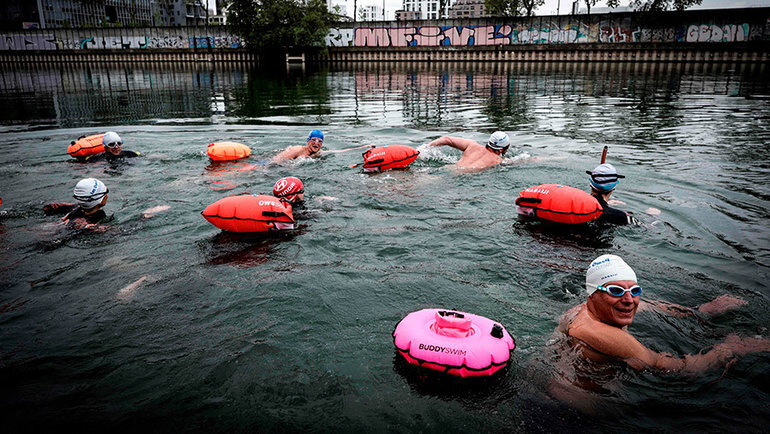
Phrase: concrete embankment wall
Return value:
(162, 44)
(732, 35)
(713, 35)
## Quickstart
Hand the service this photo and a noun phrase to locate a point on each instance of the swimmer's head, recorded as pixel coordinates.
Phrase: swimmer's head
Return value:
(90, 192)
(315, 141)
(499, 142)
(112, 142)
(607, 268)
(604, 178)
(289, 189)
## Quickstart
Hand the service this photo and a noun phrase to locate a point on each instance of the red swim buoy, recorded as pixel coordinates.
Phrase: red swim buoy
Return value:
(558, 203)
(389, 157)
(85, 146)
(228, 151)
(249, 213)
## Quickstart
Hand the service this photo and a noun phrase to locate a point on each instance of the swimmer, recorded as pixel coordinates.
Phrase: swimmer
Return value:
(312, 148)
(113, 150)
(290, 189)
(476, 156)
(91, 196)
(598, 327)
(603, 180)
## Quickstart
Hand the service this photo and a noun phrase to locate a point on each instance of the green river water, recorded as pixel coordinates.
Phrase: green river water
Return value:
(293, 333)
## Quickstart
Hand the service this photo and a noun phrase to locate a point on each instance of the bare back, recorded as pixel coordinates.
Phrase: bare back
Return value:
(475, 156)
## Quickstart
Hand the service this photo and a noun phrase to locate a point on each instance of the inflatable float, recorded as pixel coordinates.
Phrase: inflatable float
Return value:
(389, 157)
(558, 203)
(85, 146)
(228, 151)
(455, 343)
(249, 213)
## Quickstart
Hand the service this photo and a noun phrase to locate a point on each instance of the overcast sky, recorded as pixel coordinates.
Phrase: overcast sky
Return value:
(564, 6)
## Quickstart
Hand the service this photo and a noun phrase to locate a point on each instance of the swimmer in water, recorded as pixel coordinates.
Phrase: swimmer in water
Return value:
(290, 189)
(603, 179)
(91, 196)
(476, 156)
(113, 150)
(598, 327)
(312, 148)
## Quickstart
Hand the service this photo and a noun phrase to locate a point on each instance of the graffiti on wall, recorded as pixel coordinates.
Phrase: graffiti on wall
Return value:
(20, 42)
(504, 34)
(27, 42)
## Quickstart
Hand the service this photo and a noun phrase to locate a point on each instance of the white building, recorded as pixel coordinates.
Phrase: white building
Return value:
(370, 13)
(428, 9)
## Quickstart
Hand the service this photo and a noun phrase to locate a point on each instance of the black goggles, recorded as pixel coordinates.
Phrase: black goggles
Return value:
(292, 194)
(603, 179)
(92, 197)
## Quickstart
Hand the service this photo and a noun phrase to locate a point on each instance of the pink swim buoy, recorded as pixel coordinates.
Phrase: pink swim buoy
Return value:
(455, 343)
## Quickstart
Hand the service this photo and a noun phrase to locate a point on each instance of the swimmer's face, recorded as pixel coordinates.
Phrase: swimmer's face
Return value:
(615, 311)
(113, 148)
(314, 145)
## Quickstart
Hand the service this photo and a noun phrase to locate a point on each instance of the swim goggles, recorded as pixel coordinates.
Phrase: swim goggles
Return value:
(113, 144)
(91, 197)
(618, 291)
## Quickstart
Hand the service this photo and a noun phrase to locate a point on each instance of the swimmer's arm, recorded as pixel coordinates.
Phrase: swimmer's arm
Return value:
(58, 208)
(289, 153)
(455, 142)
(619, 343)
(723, 303)
(335, 151)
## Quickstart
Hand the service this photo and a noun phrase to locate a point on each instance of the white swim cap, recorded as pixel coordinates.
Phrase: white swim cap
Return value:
(604, 177)
(498, 141)
(89, 192)
(607, 268)
(111, 137)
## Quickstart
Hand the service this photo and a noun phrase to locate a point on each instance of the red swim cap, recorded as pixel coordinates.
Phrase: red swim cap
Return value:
(288, 188)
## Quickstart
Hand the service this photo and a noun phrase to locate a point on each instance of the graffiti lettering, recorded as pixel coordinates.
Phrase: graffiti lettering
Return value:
(339, 38)
(504, 34)
(714, 33)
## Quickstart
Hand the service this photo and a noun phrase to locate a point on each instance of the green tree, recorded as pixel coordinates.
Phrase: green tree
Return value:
(269, 24)
(661, 5)
(504, 8)
(530, 6)
(512, 8)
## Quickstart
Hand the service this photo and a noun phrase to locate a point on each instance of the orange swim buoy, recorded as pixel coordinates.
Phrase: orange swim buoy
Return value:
(228, 151)
(558, 203)
(389, 157)
(85, 146)
(249, 213)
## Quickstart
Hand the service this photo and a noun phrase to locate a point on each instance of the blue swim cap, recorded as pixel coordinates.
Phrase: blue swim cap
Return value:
(316, 134)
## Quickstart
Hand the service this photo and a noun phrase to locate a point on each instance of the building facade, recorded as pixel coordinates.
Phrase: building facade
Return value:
(402, 15)
(370, 13)
(468, 9)
(72, 13)
(428, 9)
(174, 13)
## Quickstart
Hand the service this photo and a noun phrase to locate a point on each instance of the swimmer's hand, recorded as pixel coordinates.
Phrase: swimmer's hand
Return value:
(150, 212)
(740, 346)
(327, 198)
(721, 304)
(652, 211)
(615, 202)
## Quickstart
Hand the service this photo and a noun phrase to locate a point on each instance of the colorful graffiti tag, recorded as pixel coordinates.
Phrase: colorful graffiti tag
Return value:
(504, 34)
(21, 42)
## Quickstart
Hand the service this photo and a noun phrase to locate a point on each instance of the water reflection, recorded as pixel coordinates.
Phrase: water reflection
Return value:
(446, 95)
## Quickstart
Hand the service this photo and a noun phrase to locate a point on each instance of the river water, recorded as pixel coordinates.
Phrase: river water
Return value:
(166, 323)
